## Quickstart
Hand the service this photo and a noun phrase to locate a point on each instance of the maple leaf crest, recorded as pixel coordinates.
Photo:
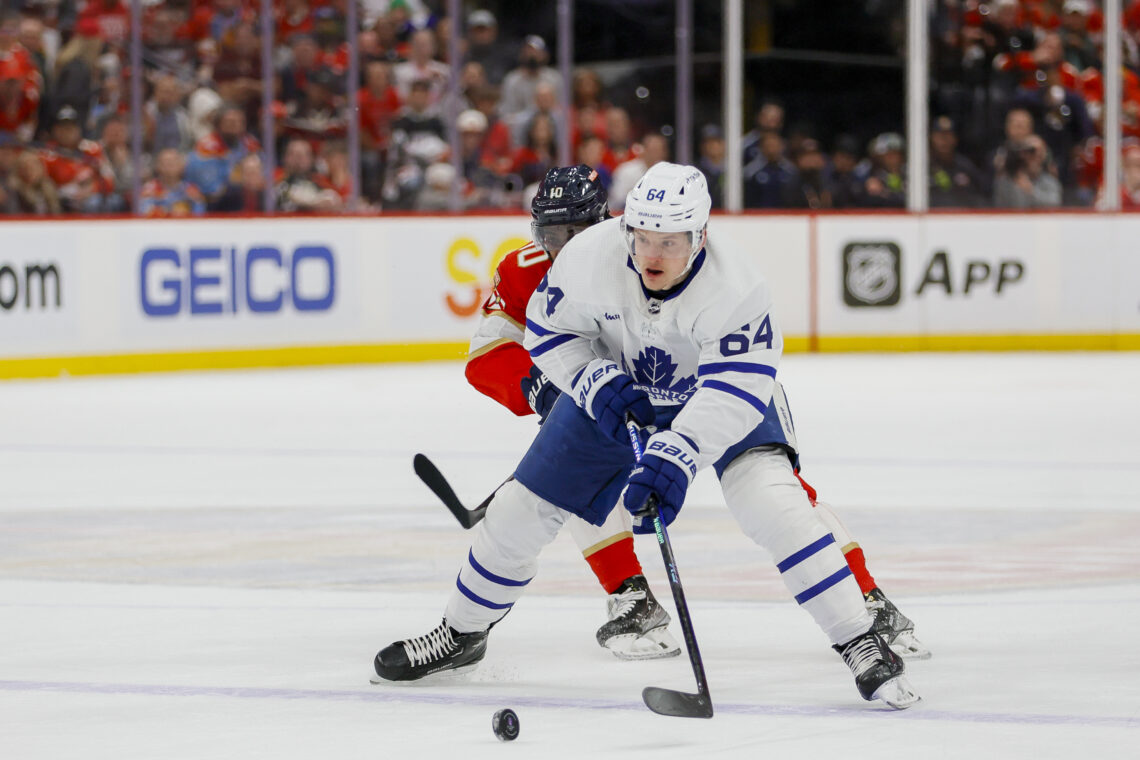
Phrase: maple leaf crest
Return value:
(655, 367)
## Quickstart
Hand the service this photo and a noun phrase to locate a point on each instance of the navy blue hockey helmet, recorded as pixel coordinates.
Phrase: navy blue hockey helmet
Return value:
(569, 199)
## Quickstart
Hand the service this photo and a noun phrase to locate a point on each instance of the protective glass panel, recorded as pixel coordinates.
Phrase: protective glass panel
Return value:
(824, 101)
(63, 96)
(1017, 106)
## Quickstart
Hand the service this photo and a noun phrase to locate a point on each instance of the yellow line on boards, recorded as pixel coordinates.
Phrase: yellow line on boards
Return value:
(55, 366)
(835, 343)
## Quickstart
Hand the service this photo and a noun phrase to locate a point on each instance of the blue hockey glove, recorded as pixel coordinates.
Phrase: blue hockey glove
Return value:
(666, 470)
(607, 394)
(540, 393)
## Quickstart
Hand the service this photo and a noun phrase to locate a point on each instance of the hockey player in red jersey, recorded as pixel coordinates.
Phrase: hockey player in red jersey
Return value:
(568, 200)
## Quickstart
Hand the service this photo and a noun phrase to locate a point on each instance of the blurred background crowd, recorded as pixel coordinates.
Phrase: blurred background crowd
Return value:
(1016, 119)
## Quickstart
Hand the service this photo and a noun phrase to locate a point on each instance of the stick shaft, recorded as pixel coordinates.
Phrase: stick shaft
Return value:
(673, 576)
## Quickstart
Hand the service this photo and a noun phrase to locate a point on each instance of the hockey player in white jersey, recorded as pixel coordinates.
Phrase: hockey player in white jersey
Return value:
(640, 317)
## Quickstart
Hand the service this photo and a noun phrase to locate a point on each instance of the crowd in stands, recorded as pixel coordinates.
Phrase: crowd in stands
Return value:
(1017, 121)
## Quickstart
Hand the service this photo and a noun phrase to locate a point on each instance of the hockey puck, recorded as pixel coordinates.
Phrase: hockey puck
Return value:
(505, 724)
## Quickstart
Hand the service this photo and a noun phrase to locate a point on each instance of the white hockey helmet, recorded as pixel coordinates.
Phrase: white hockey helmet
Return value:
(669, 198)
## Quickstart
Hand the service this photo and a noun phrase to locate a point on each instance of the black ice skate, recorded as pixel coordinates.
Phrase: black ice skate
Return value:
(878, 671)
(442, 649)
(638, 625)
(895, 628)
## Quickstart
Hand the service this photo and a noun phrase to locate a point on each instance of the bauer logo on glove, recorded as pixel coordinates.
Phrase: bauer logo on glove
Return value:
(660, 448)
(666, 470)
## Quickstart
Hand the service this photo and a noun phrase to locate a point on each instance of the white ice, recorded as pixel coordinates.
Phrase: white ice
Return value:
(202, 565)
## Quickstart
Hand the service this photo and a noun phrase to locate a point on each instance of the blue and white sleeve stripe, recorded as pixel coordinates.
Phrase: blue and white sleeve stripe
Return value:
(733, 390)
(718, 368)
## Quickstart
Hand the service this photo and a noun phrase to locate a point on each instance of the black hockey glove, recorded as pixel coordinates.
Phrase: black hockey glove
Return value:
(540, 393)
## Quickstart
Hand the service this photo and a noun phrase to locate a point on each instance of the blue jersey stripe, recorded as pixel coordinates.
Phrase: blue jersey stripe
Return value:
(538, 329)
(804, 553)
(717, 367)
(732, 390)
(480, 600)
(552, 344)
(823, 585)
(491, 576)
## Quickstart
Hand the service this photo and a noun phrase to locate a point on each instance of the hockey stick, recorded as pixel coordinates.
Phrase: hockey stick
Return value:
(433, 479)
(678, 704)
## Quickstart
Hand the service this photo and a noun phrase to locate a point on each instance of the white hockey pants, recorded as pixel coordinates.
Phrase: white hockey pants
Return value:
(764, 496)
(773, 510)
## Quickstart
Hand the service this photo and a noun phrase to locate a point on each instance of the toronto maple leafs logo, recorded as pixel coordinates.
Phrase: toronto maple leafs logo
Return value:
(653, 371)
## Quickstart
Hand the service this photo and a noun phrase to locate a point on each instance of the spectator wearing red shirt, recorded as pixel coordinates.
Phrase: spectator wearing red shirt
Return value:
(168, 194)
(538, 152)
(78, 167)
(335, 156)
(216, 19)
(620, 146)
(498, 147)
(14, 57)
(19, 103)
(587, 109)
(113, 18)
(292, 17)
(378, 105)
(1049, 54)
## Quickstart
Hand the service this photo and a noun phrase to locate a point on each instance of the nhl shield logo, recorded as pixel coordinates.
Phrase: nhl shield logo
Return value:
(872, 274)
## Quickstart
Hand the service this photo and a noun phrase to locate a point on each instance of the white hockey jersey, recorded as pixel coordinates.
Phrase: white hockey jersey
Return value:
(707, 353)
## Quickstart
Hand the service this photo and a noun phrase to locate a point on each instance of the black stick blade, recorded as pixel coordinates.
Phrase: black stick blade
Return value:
(677, 704)
(433, 479)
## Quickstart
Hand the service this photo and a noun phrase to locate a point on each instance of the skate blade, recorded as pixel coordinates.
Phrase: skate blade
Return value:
(907, 646)
(443, 676)
(652, 645)
(897, 693)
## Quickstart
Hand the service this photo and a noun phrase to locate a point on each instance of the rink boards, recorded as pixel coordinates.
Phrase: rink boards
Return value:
(124, 295)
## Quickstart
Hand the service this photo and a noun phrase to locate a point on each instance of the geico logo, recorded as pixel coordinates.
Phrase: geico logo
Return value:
(35, 278)
(216, 280)
(472, 268)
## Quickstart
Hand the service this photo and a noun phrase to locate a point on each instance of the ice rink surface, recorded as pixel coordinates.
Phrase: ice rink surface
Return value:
(203, 565)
